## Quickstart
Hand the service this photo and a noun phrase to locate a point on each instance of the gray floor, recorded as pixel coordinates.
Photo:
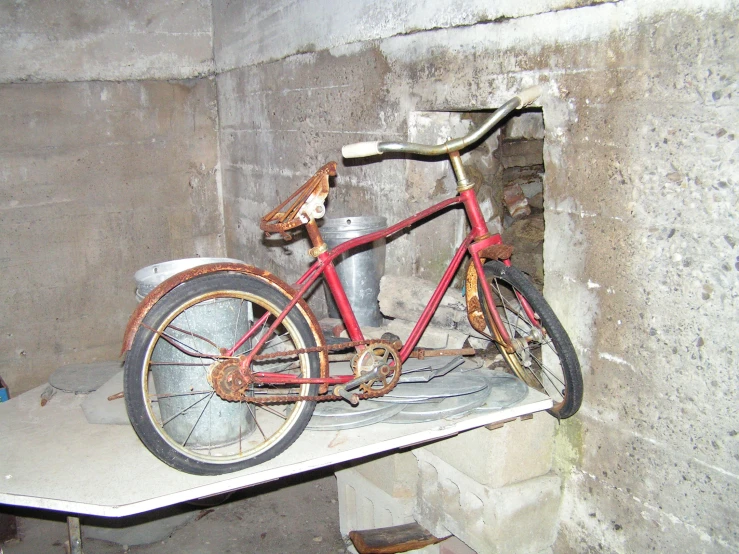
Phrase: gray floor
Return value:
(296, 515)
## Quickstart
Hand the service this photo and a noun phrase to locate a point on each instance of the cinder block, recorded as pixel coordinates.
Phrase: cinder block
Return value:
(454, 546)
(527, 126)
(433, 337)
(521, 517)
(518, 451)
(396, 474)
(364, 505)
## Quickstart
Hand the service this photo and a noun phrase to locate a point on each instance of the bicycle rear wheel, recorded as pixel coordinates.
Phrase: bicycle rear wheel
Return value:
(544, 357)
(178, 354)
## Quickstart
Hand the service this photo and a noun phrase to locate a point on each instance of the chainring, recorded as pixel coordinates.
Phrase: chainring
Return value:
(230, 384)
(379, 356)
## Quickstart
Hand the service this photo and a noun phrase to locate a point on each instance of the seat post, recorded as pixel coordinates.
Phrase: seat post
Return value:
(319, 245)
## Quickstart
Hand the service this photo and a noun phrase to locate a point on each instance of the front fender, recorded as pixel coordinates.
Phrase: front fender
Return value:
(163, 288)
(492, 249)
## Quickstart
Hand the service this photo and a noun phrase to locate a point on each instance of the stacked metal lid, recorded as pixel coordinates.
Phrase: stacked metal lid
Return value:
(428, 390)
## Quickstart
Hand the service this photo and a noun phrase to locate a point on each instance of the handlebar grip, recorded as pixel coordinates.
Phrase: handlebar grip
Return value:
(360, 150)
(528, 95)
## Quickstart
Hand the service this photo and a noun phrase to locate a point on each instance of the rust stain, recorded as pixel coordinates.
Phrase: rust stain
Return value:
(497, 252)
(163, 288)
(474, 307)
(301, 206)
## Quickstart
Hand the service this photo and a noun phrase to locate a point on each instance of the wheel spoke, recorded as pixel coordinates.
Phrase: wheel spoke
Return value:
(540, 352)
(192, 335)
(155, 397)
(198, 419)
(177, 378)
(272, 411)
(256, 422)
(179, 345)
(182, 411)
(549, 373)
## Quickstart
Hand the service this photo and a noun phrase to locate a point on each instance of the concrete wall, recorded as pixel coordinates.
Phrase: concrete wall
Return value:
(641, 263)
(89, 40)
(101, 172)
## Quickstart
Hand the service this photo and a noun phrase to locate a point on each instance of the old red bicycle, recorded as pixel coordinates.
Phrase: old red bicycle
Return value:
(225, 362)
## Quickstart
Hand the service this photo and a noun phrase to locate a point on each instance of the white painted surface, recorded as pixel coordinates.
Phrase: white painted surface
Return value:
(52, 458)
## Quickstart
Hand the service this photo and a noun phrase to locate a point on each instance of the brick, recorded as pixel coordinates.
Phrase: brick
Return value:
(515, 201)
(518, 451)
(522, 153)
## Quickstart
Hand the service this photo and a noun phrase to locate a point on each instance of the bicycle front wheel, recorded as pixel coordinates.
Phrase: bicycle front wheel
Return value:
(544, 357)
(177, 370)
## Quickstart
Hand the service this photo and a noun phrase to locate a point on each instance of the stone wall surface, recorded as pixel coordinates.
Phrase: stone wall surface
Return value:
(105, 167)
(641, 241)
(96, 181)
(86, 40)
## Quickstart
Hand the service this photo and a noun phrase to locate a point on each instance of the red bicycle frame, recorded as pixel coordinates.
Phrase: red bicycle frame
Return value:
(477, 239)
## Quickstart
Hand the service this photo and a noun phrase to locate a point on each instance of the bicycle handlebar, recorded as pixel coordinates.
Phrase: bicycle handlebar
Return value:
(366, 149)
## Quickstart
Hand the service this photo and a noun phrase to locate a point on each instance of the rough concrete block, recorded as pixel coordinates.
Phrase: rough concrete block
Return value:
(454, 546)
(396, 474)
(518, 451)
(364, 505)
(528, 126)
(520, 518)
(395, 301)
(433, 337)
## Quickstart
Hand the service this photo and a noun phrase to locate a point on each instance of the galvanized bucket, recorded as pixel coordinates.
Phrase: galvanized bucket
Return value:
(150, 276)
(196, 419)
(359, 269)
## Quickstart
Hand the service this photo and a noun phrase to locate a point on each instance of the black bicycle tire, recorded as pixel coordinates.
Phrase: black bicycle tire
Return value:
(136, 357)
(561, 340)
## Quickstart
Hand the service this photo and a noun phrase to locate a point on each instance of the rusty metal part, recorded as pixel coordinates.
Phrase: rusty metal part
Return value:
(489, 248)
(115, 396)
(497, 252)
(388, 364)
(227, 381)
(318, 250)
(163, 288)
(419, 353)
(302, 206)
(319, 245)
(475, 313)
(474, 306)
(422, 354)
(281, 399)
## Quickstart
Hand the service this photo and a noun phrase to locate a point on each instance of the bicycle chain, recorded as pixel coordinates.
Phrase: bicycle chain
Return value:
(325, 397)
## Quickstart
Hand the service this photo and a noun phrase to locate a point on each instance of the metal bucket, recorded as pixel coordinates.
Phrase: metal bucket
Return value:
(199, 420)
(359, 269)
(150, 276)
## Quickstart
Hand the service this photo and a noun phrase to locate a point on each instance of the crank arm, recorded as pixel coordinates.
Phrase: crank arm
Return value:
(353, 398)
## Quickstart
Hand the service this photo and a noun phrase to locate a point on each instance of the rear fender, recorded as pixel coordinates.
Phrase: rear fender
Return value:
(137, 317)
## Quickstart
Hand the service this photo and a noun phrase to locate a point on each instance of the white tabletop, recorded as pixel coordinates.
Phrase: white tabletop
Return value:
(52, 458)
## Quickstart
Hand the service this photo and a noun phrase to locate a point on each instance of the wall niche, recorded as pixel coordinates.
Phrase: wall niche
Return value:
(507, 169)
